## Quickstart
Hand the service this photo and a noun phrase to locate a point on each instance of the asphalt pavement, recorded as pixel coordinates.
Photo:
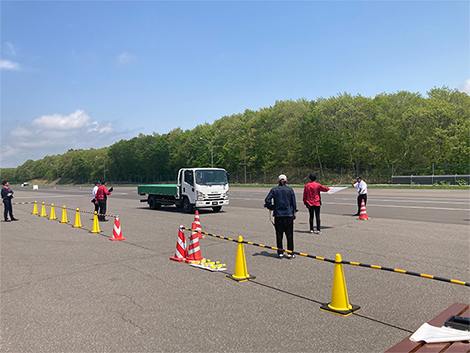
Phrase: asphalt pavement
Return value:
(64, 289)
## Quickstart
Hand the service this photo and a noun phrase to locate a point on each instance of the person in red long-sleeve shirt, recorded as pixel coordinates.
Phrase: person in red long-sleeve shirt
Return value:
(102, 195)
(312, 201)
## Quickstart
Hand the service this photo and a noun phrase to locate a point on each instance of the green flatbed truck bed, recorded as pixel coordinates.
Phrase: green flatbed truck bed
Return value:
(162, 189)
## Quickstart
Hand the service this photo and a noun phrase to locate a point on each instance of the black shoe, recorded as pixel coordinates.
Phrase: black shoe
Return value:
(104, 220)
(15, 219)
(7, 220)
(357, 214)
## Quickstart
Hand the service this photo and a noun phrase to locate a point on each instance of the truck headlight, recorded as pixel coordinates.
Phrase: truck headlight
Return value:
(200, 196)
(226, 195)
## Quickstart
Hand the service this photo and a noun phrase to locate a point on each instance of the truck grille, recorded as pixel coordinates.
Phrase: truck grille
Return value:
(213, 196)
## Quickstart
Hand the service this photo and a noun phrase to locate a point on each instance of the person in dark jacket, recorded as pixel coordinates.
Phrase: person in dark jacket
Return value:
(281, 200)
(312, 201)
(7, 195)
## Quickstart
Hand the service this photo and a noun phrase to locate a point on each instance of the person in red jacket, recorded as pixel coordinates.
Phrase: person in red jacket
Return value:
(102, 196)
(312, 200)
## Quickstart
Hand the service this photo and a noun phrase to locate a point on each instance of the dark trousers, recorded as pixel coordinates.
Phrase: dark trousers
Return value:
(102, 205)
(97, 206)
(8, 209)
(284, 225)
(314, 211)
(359, 201)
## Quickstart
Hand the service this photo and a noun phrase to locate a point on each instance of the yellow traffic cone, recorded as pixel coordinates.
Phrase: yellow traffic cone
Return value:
(78, 223)
(339, 297)
(43, 211)
(52, 216)
(96, 224)
(64, 216)
(241, 273)
(35, 208)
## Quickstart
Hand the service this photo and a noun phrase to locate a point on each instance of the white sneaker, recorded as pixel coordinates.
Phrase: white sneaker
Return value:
(311, 231)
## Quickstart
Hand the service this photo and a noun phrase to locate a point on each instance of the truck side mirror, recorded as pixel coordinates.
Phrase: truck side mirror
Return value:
(228, 176)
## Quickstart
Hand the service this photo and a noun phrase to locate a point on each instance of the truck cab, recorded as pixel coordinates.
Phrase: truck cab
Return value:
(203, 188)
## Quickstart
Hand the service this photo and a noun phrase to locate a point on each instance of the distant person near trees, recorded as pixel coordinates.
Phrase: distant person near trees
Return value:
(361, 193)
(7, 195)
(312, 201)
(102, 196)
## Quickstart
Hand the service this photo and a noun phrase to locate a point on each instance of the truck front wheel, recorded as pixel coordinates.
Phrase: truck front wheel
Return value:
(216, 208)
(187, 207)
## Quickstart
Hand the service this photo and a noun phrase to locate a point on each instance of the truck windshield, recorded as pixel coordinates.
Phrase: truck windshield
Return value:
(211, 177)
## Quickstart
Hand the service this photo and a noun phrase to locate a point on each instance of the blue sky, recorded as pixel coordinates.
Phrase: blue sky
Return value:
(86, 74)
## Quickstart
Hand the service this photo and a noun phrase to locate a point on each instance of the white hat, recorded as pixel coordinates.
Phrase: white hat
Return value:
(282, 177)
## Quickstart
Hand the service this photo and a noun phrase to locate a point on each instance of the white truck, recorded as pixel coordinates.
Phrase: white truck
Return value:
(196, 188)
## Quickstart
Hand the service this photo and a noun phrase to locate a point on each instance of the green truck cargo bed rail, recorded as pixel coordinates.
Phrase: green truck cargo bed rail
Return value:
(162, 189)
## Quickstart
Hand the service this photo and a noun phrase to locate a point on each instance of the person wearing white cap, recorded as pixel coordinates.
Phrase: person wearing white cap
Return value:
(281, 200)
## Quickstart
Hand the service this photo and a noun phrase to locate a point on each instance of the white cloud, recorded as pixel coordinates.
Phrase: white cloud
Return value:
(55, 134)
(11, 49)
(466, 86)
(9, 65)
(125, 58)
(75, 120)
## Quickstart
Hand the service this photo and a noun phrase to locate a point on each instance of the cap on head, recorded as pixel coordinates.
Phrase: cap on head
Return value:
(312, 176)
(97, 182)
(359, 178)
(103, 182)
(282, 177)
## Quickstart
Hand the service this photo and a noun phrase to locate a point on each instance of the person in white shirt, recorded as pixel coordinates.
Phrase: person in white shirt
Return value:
(361, 193)
(94, 200)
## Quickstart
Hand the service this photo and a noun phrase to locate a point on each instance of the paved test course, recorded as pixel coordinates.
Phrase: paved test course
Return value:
(66, 290)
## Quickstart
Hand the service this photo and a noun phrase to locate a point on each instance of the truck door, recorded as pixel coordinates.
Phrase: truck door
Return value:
(188, 185)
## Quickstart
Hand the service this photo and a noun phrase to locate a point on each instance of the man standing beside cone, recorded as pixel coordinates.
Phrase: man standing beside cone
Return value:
(361, 193)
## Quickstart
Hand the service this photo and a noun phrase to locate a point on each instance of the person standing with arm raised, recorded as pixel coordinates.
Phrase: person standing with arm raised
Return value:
(361, 193)
(102, 196)
(312, 201)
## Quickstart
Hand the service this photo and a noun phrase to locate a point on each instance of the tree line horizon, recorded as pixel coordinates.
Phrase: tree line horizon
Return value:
(354, 133)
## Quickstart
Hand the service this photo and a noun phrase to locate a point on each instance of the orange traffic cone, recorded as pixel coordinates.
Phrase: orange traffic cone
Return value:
(363, 213)
(197, 221)
(339, 295)
(194, 251)
(117, 235)
(181, 251)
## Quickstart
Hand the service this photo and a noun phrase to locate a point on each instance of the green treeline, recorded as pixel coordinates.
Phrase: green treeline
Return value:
(344, 131)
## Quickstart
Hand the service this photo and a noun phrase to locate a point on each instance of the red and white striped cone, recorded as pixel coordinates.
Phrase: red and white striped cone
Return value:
(117, 234)
(194, 250)
(181, 251)
(198, 224)
(363, 213)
